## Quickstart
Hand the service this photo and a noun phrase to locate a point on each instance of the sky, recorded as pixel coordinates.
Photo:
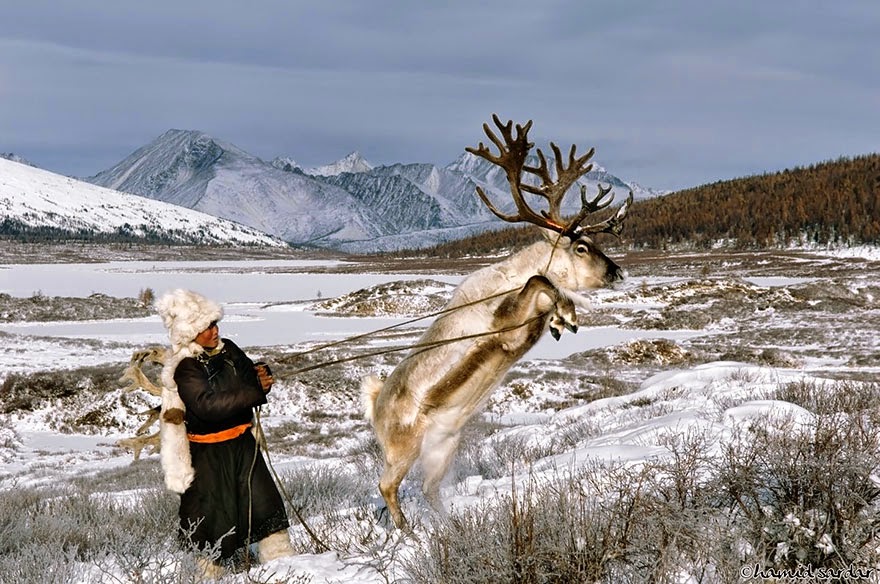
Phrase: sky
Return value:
(671, 94)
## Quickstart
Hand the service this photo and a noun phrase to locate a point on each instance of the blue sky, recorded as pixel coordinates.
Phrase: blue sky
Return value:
(672, 94)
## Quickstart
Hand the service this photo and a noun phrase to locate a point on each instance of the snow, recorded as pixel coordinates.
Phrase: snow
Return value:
(353, 162)
(868, 252)
(250, 292)
(265, 306)
(40, 198)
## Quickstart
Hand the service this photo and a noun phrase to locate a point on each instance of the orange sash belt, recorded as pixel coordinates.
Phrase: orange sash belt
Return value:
(221, 436)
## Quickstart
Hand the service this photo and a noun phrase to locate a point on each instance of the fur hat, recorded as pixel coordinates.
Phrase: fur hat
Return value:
(185, 314)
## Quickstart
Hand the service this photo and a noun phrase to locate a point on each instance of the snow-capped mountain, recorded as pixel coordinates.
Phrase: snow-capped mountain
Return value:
(287, 163)
(491, 176)
(353, 162)
(32, 199)
(194, 170)
(415, 197)
(348, 205)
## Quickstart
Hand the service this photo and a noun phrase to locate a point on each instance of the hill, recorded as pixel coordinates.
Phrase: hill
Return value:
(38, 205)
(834, 202)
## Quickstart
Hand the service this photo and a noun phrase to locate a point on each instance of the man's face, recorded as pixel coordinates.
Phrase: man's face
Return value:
(210, 337)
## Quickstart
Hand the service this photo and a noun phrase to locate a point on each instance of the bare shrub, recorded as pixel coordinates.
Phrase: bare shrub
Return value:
(22, 391)
(575, 432)
(38, 562)
(602, 386)
(778, 495)
(77, 534)
(42, 308)
(335, 502)
(600, 523)
(539, 535)
(827, 398)
(320, 488)
(771, 357)
(493, 457)
(27, 392)
(146, 297)
(652, 351)
(804, 496)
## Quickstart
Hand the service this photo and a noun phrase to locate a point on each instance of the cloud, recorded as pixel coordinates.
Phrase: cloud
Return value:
(671, 94)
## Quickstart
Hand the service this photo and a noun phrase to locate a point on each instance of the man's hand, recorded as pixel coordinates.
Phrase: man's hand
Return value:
(264, 374)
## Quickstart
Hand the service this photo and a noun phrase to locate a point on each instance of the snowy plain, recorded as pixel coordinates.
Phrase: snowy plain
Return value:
(267, 312)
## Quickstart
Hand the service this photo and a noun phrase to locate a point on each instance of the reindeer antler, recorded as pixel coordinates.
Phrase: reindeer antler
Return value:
(136, 378)
(513, 152)
(134, 374)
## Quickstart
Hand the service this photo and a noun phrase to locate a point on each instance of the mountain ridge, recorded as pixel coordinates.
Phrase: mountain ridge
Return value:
(348, 205)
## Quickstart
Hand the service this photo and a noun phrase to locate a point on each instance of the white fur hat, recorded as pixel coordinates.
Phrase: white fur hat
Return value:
(185, 314)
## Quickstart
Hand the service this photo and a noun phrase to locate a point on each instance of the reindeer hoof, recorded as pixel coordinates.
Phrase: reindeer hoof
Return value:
(557, 334)
(572, 327)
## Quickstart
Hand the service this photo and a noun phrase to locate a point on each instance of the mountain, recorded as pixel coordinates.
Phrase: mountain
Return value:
(39, 203)
(415, 197)
(348, 205)
(489, 175)
(194, 170)
(353, 162)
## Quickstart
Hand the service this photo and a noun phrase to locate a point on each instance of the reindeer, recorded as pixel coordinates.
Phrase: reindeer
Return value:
(494, 317)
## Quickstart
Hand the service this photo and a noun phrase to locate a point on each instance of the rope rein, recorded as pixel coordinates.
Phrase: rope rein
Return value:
(414, 320)
(400, 324)
(418, 347)
(250, 483)
(262, 443)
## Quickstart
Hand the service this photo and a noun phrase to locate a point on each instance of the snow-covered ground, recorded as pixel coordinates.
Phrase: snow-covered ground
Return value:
(698, 350)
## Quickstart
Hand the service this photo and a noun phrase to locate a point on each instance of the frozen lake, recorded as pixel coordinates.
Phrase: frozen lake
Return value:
(263, 302)
(250, 281)
(250, 292)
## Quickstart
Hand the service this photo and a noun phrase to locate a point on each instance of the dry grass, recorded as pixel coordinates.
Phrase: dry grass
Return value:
(777, 495)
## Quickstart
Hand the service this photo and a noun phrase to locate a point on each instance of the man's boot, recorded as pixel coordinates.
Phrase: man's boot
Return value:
(276, 545)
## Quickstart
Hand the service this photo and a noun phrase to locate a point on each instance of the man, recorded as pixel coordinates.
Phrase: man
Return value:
(209, 454)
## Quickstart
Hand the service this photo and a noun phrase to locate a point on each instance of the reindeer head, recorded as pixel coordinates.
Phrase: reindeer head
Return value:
(576, 262)
(579, 264)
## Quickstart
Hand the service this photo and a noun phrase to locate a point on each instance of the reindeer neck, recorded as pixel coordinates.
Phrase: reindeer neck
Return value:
(514, 271)
(538, 259)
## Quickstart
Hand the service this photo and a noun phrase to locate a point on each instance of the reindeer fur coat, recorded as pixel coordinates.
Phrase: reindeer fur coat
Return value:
(185, 314)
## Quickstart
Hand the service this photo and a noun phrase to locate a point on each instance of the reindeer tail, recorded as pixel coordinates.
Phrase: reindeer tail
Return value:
(370, 388)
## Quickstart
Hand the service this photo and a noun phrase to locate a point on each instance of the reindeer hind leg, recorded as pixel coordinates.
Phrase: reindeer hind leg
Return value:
(437, 451)
(397, 464)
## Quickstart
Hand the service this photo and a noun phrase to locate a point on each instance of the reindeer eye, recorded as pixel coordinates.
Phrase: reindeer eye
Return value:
(582, 249)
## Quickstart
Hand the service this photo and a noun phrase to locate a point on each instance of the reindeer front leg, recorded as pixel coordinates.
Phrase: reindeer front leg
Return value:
(539, 297)
(563, 317)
